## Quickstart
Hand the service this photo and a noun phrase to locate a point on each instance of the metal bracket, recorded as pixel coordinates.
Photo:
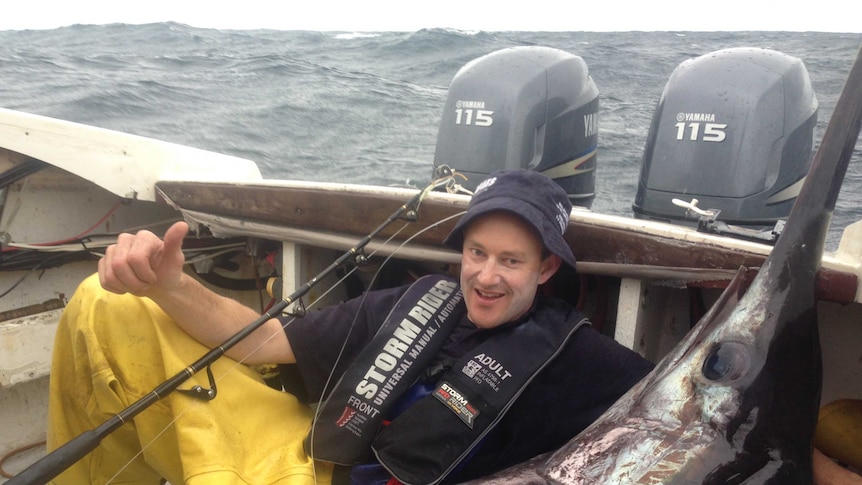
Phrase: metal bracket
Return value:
(298, 310)
(199, 392)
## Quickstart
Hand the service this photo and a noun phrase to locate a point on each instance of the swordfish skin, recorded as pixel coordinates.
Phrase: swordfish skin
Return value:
(737, 400)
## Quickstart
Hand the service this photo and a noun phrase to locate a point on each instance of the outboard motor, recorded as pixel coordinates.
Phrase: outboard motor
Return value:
(523, 107)
(734, 133)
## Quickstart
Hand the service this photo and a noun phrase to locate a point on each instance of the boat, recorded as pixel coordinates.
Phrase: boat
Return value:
(644, 280)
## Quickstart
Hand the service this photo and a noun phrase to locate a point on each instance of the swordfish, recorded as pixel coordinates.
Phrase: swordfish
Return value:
(737, 400)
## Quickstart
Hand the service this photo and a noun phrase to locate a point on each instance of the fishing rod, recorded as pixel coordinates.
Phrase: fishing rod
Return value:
(69, 453)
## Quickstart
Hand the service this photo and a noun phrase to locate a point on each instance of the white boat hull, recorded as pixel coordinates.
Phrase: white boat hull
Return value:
(100, 182)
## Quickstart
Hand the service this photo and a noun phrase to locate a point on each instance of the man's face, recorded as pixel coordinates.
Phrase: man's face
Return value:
(501, 267)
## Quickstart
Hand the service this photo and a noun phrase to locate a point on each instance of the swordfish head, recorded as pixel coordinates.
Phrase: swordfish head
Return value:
(737, 400)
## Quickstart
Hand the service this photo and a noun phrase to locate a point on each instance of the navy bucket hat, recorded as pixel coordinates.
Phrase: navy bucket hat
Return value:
(534, 197)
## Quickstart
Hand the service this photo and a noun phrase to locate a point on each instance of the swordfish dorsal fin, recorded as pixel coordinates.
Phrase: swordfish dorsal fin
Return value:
(737, 400)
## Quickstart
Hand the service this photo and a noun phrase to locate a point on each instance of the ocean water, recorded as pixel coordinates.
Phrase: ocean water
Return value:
(358, 107)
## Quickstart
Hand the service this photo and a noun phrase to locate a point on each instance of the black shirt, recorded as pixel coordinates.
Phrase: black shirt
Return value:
(589, 375)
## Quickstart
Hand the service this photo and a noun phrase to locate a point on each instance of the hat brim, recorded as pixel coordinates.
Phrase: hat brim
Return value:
(546, 231)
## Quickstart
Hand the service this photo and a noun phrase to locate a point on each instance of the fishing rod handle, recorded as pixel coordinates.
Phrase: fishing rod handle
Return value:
(57, 461)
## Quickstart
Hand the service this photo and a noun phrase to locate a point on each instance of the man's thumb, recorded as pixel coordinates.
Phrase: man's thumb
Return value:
(174, 237)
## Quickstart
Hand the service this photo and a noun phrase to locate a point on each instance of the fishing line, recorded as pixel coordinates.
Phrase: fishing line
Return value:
(72, 451)
(416, 202)
(331, 376)
(291, 320)
(240, 362)
(449, 186)
(219, 378)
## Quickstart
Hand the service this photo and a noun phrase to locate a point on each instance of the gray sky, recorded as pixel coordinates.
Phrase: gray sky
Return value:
(404, 15)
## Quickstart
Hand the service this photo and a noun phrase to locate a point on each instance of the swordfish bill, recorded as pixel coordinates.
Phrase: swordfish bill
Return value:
(737, 400)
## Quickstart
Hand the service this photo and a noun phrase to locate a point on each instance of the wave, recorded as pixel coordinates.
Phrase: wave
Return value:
(360, 107)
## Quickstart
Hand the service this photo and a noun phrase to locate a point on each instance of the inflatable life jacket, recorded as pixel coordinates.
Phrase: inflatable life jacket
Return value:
(469, 399)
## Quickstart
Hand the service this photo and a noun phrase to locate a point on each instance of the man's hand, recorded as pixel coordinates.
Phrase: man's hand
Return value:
(142, 263)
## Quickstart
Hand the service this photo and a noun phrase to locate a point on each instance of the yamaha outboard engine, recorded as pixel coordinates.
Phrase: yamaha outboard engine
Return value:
(523, 107)
(733, 130)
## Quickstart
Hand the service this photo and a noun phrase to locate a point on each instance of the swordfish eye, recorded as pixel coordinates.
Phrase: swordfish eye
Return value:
(726, 362)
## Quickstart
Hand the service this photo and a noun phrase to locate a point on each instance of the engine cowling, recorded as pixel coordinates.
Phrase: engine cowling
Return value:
(733, 129)
(523, 107)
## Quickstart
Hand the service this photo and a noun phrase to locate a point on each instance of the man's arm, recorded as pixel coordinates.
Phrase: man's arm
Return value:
(146, 266)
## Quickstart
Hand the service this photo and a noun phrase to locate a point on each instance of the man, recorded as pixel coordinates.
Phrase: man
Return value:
(432, 387)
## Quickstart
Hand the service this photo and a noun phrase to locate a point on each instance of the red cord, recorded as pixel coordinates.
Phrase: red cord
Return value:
(79, 236)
